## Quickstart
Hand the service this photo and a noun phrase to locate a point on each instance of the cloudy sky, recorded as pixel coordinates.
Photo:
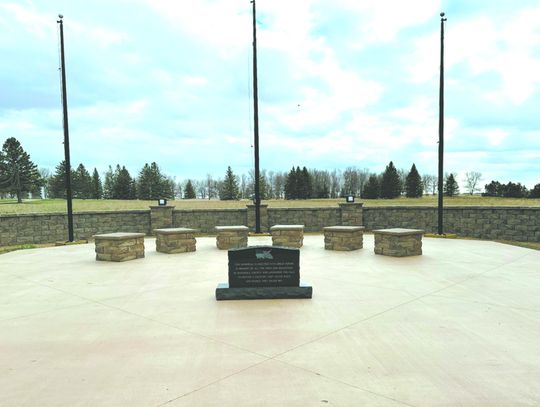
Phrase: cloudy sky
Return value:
(342, 83)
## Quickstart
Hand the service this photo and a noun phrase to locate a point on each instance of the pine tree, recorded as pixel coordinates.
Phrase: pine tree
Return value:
(189, 191)
(229, 188)
(372, 188)
(451, 187)
(390, 183)
(291, 185)
(152, 184)
(18, 174)
(535, 192)
(124, 186)
(97, 188)
(414, 187)
(306, 186)
(81, 183)
(57, 182)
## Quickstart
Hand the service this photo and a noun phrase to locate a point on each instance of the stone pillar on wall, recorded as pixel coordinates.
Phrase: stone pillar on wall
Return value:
(351, 213)
(251, 218)
(161, 217)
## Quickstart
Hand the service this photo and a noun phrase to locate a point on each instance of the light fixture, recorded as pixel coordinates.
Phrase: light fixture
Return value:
(350, 198)
(162, 202)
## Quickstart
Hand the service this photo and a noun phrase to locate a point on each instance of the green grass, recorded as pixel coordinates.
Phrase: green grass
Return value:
(9, 206)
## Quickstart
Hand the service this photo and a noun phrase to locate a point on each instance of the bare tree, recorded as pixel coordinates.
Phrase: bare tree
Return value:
(363, 176)
(335, 183)
(200, 188)
(243, 186)
(430, 183)
(471, 181)
(279, 185)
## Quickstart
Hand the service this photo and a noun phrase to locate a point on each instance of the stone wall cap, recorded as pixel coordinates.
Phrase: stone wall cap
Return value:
(162, 206)
(231, 228)
(174, 231)
(399, 231)
(343, 228)
(351, 203)
(118, 236)
(287, 227)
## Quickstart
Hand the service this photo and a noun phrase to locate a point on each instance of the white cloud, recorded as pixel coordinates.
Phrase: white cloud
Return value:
(504, 45)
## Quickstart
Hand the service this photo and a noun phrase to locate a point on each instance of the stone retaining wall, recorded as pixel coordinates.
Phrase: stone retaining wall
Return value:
(206, 219)
(505, 223)
(502, 223)
(313, 219)
(49, 228)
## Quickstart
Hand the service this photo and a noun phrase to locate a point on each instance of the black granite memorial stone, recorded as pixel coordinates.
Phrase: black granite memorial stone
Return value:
(263, 272)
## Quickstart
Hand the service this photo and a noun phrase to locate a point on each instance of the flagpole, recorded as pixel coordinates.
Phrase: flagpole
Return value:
(66, 132)
(256, 126)
(441, 132)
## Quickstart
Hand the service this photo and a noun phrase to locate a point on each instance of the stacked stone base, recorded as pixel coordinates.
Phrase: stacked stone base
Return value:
(287, 235)
(343, 238)
(398, 242)
(231, 237)
(175, 240)
(119, 246)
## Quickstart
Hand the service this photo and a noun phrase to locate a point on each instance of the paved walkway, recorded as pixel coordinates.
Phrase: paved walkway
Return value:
(458, 326)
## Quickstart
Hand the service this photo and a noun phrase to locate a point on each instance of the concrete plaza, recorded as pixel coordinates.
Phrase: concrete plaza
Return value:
(457, 326)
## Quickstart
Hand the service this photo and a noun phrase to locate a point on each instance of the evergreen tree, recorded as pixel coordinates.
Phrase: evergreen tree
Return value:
(371, 188)
(535, 192)
(390, 183)
(451, 187)
(81, 183)
(414, 187)
(124, 186)
(306, 184)
(152, 184)
(189, 191)
(108, 186)
(97, 189)
(512, 190)
(291, 185)
(229, 188)
(494, 188)
(57, 182)
(168, 188)
(18, 174)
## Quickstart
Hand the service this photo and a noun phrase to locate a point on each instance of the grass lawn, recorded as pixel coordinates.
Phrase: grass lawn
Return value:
(8, 206)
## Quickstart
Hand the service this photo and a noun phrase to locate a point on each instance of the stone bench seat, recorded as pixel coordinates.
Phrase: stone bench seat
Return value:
(287, 235)
(343, 238)
(175, 240)
(119, 246)
(231, 237)
(398, 242)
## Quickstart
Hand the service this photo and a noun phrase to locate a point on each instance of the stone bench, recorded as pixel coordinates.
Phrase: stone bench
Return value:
(175, 240)
(345, 238)
(287, 235)
(119, 246)
(231, 237)
(398, 242)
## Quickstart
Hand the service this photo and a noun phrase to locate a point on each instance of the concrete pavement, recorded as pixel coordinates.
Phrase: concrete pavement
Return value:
(457, 326)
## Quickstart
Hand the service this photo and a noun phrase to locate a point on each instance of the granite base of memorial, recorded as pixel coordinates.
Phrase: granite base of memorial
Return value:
(263, 272)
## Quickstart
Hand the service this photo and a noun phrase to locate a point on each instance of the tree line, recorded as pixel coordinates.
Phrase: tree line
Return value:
(20, 176)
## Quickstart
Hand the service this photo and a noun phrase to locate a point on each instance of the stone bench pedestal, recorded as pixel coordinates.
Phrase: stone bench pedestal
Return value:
(119, 246)
(398, 242)
(287, 235)
(175, 240)
(343, 238)
(231, 237)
